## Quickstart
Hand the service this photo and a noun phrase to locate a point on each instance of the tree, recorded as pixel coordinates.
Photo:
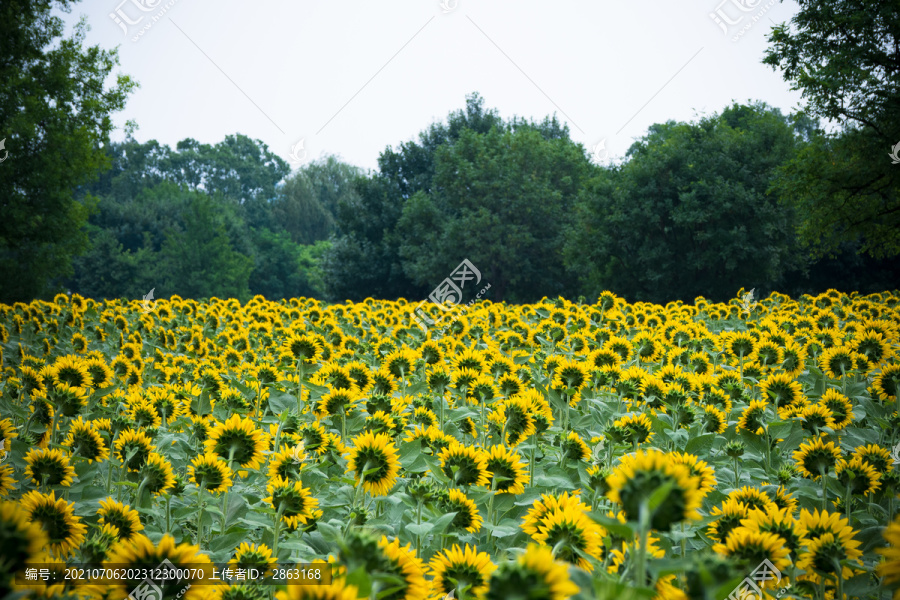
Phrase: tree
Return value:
(500, 199)
(197, 259)
(364, 259)
(55, 111)
(845, 57)
(307, 202)
(688, 214)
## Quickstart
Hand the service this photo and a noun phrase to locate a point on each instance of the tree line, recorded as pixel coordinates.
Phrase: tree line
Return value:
(746, 197)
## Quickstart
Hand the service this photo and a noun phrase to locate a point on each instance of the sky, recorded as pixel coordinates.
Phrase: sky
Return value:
(348, 78)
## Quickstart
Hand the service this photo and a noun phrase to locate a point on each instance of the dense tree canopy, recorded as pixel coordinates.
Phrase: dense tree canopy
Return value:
(55, 107)
(845, 57)
(688, 215)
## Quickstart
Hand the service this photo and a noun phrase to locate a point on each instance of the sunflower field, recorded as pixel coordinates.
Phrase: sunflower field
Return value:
(544, 451)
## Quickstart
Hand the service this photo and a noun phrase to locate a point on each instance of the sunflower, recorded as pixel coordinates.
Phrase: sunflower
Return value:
(753, 547)
(383, 382)
(781, 390)
(211, 473)
(101, 375)
(887, 383)
(858, 475)
(143, 413)
(699, 469)
(438, 378)
(336, 402)
(121, 516)
(461, 571)
(57, 517)
(140, 553)
(570, 374)
(85, 441)
(135, 444)
(571, 534)
(517, 419)
(404, 565)
(890, 568)
(740, 344)
(753, 497)
(305, 348)
(400, 363)
(70, 400)
(638, 427)
(780, 522)
(70, 370)
(534, 572)
(7, 481)
(464, 465)
(839, 406)
(338, 589)
(287, 463)
(239, 441)
(292, 501)
(753, 418)
(815, 417)
(467, 516)
(48, 467)
(374, 459)
(574, 448)
(816, 457)
(713, 420)
(23, 542)
(825, 554)
(156, 475)
(730, 513)
(248, 556)
(507, 471)
(836, 361)
(878, 457)
(641, 474)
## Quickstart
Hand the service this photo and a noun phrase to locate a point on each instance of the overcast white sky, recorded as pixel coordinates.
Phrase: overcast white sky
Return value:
(350, 78)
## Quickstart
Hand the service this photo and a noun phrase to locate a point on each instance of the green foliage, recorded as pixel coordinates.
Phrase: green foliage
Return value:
(500, 199)
(688, 214)
(496, 192)
(845, 57)
(55, 116)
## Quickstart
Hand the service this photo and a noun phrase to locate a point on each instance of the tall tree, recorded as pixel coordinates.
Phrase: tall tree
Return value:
(55, 109)
(688, 214)
(305, 206)
(364, 259)
(845, 57)
(501, 199)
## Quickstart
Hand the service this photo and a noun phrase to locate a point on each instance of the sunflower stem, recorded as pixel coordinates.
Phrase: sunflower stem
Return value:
(643, 519)
(531, 462)
(168, 513)
(200, 513)
(418, 522)
(276, 530)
